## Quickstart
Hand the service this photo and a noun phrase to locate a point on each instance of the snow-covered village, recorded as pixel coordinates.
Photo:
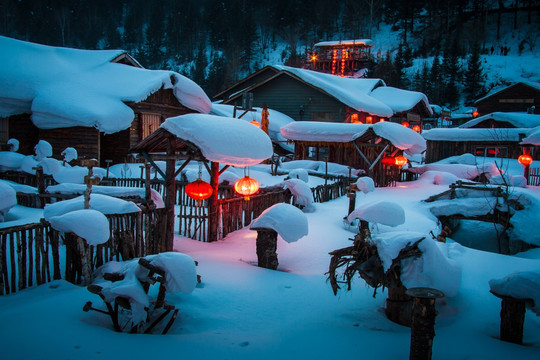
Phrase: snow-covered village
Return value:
(269, 179)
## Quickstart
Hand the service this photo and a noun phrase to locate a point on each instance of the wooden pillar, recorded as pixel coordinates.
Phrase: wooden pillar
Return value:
(213, 208)
(399, 304)
(512, 318)
(423, 322)
(170, 194)
(266, 249)
(40, 185)
(148, 191)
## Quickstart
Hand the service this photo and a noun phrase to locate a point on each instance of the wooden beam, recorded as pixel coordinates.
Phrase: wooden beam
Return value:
(378, 157)
(213, 208)
(182, 167)
(223, 170)
(154, 165)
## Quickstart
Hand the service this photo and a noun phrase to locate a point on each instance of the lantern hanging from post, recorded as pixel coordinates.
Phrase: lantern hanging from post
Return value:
(406, 124)
(416, 128)
(388, 160)
(199, 190)
(400, 160)
(525, 159)
(246, 187)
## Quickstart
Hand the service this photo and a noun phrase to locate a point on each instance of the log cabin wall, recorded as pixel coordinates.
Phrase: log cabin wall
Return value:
(438, 150)
(85, 140)
(516, 98)
(20, 127)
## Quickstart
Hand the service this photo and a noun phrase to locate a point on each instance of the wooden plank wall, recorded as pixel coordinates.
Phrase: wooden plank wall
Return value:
(84, 139)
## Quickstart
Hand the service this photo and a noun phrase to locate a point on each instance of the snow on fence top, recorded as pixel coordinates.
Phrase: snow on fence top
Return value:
(366, 42)
(518, 120)
(460, 134)
(63, 87)
(533, 138)
(400, 136)
(221, 139)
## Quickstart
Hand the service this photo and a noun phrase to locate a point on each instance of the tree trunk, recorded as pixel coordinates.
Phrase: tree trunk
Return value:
(266, 249)
(512, 320)
(422, 328)
(399, 305)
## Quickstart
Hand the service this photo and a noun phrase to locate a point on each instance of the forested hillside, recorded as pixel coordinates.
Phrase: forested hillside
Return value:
(217, 42)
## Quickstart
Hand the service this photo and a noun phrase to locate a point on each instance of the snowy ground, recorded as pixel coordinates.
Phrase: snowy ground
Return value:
(240, 311)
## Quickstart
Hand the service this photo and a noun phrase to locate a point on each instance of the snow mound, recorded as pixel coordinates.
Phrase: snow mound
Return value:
(365, 184)
(438, 177)
(180, 271)
(301, 174)
(89, 224)
(43, 149)
(520, 285)
(288, 221)
(10, 160)
(76, 174)
(381, 212)
(300, 190)
(102, 203)
(8, 199)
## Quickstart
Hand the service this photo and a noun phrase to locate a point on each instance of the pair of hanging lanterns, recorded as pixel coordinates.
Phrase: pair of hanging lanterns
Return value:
(200, 190)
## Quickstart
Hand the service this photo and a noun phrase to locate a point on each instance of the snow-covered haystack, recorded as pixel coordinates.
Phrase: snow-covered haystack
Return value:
(380, 212)
(300, 190)
(524, 285)
(433, 269)
(91, 225)
(288, 221)
(180, 276)
(102, 203)
(8, 199)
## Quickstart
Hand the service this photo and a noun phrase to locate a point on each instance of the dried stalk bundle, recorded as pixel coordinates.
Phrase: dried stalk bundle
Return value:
(363, 258)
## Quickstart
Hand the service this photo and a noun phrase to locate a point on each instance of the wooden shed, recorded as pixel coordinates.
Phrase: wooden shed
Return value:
(360, 146)
(519, 97)
(101, 102)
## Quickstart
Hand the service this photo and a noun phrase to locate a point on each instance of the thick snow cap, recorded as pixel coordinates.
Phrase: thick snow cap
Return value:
(64, 87)
(225, 140)
(381, 212)
(288, 221)
(400, 136)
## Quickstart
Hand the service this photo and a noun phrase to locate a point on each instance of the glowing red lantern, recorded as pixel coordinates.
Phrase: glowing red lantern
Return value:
(198, 190)
(388, 160)
(525, 159)
(406, 124)
(400, 160)
(416, 128)
(475, 113)
(256, 123)
(246, 186)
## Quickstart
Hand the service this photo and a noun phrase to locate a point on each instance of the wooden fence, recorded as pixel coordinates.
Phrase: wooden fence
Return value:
(33, 254)
(534, 177)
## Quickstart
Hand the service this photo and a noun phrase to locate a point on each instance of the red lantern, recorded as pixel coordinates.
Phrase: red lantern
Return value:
(199, 190)
(406, 124)
(525, 159)
(400, 160)
(246, 186)
(388, 160)
(416, 128)
(475, 113)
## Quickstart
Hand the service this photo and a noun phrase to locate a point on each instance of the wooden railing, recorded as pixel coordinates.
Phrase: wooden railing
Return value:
(31, 254)
(534, 177)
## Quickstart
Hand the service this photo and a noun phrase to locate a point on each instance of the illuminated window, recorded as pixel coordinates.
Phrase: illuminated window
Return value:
(354, 118)
(369, 119)
(149, 123)
(496, 152)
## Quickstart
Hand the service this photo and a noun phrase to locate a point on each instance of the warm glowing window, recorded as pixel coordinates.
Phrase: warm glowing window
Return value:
(354, 118)
(369, 119)
(149, 123)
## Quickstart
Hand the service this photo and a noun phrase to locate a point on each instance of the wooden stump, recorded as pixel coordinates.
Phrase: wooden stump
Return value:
(512, 318)
(423, 322)
(266, 249)
(399, 305)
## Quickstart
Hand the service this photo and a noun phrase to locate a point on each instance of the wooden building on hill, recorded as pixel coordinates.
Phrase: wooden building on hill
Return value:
(519, 97)
(306, 95)
(100, 102)
(342, 57)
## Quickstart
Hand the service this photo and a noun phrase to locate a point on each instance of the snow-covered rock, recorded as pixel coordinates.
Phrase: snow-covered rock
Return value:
(300, 190)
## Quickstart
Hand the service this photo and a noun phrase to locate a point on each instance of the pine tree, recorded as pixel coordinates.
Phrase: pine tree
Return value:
(474, 76)
(435, 81)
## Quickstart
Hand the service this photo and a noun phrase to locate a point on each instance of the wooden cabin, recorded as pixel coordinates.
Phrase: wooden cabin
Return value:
(504, 120)
(106, 104)
(519, 97)
(306, 95)
(343, 57)
(492, 143)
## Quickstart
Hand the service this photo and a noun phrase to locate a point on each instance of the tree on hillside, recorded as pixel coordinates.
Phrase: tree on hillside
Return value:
(474, 76)
(436, 83)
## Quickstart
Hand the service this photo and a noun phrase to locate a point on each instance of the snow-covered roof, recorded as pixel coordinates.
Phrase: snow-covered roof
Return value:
(517, 119)
(365, 42)
(533, 138)
(63, 87)
(221, 139)
(483, 134)
(496, 90)
(400, 136)
(354, 93)
(400, 100)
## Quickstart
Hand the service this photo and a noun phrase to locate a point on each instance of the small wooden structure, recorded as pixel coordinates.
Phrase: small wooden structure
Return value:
(342, 57)
(521, 97)
(199, 136)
